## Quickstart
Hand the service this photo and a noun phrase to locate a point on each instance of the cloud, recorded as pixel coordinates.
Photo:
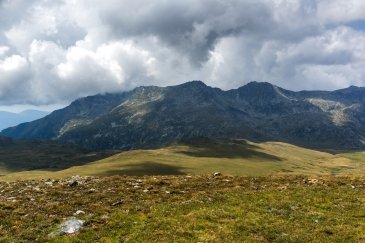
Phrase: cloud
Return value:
(14, 78)
(3, 50)
(55, 51)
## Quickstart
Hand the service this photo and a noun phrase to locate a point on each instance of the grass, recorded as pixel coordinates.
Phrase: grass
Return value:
(19, 155)
(231, 157)
(195, 209)
(169, 195)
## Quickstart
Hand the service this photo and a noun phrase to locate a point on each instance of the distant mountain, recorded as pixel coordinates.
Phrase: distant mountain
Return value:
(149, 117)
(9, 119)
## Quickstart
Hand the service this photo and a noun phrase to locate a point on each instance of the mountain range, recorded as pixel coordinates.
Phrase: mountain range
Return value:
(9, 119)
(151, 117)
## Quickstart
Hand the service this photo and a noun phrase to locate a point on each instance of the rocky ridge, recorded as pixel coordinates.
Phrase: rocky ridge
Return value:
(151, 117)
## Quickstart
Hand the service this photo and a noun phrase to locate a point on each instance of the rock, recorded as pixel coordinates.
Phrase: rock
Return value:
(72, 183)
(117, 203)
(11, 199)
(105, 217)
(217, 174)
(79, 212)
(70, 226)
(76, 177)
(37, 189)
(311, 181)
(49, 183)
(91, 190)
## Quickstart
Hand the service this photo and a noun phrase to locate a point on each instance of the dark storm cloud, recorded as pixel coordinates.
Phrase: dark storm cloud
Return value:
(192, 27)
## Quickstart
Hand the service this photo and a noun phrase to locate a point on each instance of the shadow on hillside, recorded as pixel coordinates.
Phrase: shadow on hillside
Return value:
(146, 168)
(29, 155)
(226, 149)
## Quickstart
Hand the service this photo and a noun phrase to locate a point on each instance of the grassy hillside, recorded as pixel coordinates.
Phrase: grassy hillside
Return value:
(186, 209)
(30, 155)
(238, 157)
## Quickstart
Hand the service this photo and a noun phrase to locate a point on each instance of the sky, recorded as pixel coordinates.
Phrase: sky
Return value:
(54, 51)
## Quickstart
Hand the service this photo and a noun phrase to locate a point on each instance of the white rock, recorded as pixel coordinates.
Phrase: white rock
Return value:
(79, 212)
(71, 226)
(36, 189)
(11, 199)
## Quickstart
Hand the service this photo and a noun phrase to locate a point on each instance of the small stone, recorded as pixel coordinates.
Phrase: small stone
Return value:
(217, 174)
(117, 203)
(36, 189)
(311, 181)
(104, 217)
(11, 199)
(49, 183)
(72, 183)
(79, 212)
(91, 190)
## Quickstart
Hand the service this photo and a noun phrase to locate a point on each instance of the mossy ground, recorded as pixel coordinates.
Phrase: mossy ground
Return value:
(186, 209)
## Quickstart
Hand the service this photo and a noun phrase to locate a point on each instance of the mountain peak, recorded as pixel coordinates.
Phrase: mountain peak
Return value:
(258, 90)
(259, 84)
(351, 89)
(193, 84)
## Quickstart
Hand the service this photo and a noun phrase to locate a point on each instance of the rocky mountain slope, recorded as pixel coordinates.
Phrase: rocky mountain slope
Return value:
(149, 117)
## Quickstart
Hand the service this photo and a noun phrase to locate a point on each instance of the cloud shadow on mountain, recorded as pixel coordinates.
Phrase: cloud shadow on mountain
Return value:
(145, 168)
(231, 149)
